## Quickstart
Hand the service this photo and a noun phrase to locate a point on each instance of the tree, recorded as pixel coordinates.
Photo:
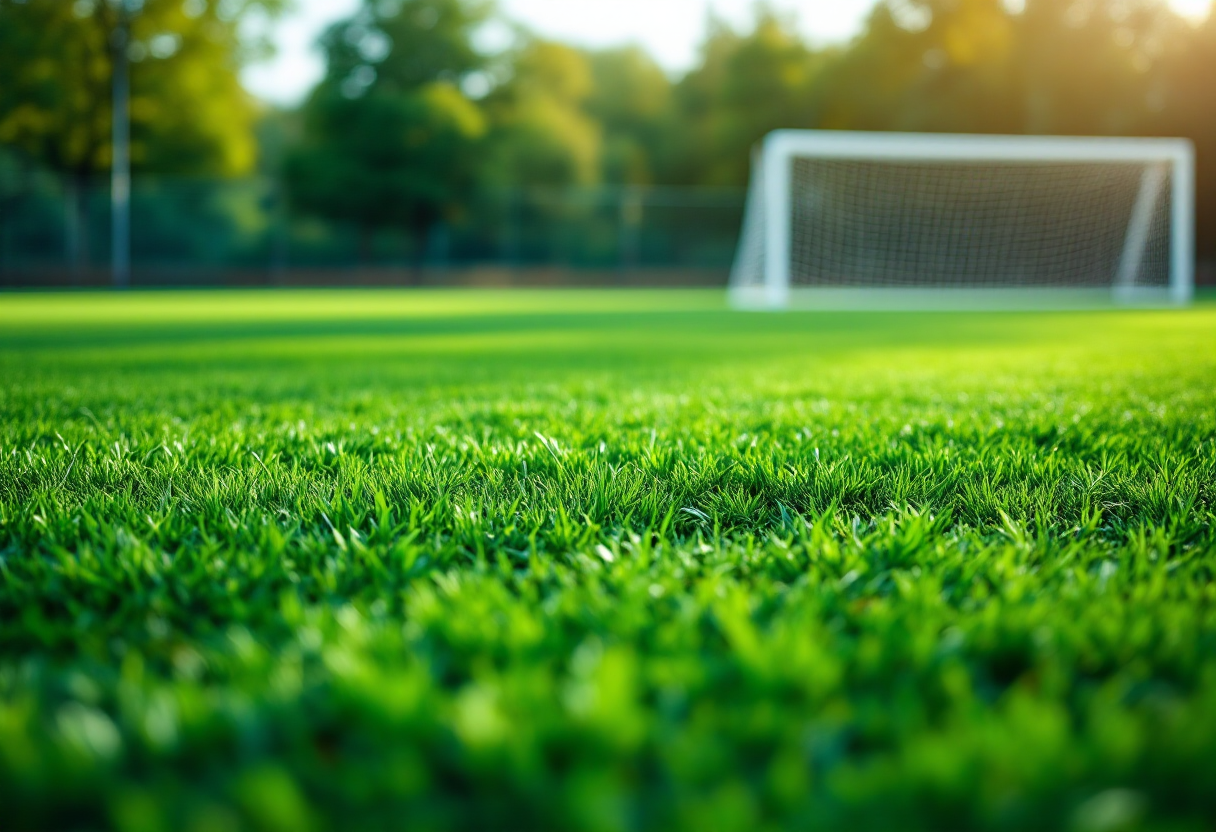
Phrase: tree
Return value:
(986, 66)
(389, 138)
(189, 113)
(542, 134)
(631, 100)
(745, 86)
(1179, 103)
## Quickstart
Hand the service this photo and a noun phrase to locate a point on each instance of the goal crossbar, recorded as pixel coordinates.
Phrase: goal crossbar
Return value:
(763, 278)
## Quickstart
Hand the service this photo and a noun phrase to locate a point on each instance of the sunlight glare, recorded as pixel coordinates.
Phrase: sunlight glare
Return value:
(1195, 10)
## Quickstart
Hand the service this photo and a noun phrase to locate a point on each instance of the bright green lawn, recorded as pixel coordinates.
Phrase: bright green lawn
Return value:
(602, 561)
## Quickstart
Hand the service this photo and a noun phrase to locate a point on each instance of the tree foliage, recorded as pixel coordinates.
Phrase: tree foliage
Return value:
(189, 113)
(631, 100)
(389, 137)
(543, 134)
(745, 86)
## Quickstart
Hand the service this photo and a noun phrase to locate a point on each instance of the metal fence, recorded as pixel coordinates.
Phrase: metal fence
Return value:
(209, 231)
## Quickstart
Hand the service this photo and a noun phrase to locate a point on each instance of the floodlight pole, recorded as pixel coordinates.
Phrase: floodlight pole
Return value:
(120, 167)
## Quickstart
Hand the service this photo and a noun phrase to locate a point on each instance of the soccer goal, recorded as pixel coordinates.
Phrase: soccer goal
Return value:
(898, 221)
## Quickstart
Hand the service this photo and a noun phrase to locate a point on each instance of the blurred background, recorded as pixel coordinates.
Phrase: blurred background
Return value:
(528, 142)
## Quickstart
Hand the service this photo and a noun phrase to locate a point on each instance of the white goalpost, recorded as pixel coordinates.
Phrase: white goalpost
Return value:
(931, 221)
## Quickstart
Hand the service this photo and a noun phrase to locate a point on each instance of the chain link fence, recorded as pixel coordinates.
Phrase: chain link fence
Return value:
(54, 231)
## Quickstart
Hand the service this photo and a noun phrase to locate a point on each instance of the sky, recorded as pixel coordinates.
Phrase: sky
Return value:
(670, 30)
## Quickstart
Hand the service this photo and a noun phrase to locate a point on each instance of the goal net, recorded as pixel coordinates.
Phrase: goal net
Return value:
(888, 220)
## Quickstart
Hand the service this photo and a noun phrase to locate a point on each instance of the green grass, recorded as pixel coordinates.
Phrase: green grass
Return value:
(602, 561)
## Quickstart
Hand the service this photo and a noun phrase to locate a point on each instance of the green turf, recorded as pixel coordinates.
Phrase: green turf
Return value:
(602, 561)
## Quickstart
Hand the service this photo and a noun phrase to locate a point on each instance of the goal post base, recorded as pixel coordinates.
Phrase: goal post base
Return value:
(829, 299)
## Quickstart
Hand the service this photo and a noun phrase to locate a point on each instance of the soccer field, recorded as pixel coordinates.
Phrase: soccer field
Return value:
(602, 561)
